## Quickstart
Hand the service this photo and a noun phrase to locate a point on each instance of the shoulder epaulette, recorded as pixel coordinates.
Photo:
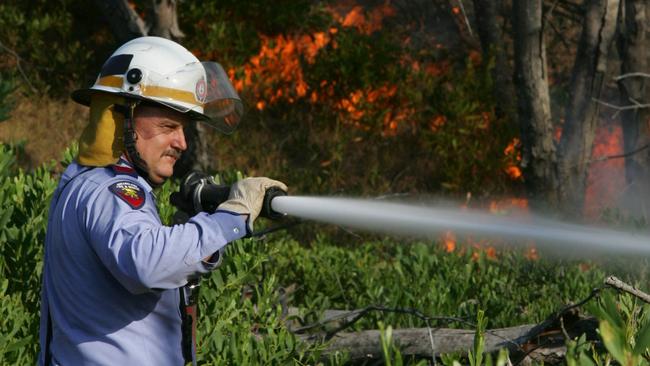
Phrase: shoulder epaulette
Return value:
(122, 169)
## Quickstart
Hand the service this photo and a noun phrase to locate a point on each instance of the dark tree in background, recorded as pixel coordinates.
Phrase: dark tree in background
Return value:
(492, 46)
(634, 84)
(590, 72)
(162, 21)
(533, 103)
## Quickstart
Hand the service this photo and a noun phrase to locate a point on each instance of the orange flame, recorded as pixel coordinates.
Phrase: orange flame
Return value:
(275, 73)
(606, 178)
(365, 22)
(513, 157)
(531, 253)
(449, 241)
(437, 122)
(508, 206)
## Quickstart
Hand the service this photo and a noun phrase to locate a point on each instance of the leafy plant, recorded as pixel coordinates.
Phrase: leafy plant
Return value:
(624, 328)
(476, 354)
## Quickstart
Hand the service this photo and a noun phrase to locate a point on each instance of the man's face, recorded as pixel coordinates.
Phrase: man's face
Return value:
(160, 139)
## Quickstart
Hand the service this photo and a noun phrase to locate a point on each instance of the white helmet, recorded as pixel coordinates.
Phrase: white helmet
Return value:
(162, 71)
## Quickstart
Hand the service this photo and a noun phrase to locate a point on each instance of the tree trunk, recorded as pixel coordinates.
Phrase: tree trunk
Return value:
(164, 19)
(582, 114)
(533, 104)
(492, 42)
(633, 48)
(124, 22)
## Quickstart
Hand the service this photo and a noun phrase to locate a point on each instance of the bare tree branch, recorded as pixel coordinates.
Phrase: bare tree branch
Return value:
(624, 155)
(18, 66)
(632, 75)
(620, 108)
(620, 285)
(462, 10)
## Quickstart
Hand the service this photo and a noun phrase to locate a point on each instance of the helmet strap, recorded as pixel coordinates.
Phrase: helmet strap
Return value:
(130, 137)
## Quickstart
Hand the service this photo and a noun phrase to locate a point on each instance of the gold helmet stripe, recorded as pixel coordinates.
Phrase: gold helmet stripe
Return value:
(111, 80)
(152, 91)
(170, 93)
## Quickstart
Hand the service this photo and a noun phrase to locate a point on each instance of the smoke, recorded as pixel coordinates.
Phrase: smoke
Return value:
(431, 222)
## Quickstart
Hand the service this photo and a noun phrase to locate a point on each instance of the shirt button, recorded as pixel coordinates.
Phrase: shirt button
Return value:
(236, 230)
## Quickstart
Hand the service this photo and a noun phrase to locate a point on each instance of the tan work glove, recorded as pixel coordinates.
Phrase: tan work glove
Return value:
(247, 196)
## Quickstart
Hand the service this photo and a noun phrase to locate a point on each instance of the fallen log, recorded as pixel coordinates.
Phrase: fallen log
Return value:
(423, 342)
(543, 342)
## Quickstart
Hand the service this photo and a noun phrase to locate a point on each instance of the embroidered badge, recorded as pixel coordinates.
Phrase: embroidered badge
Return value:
(129, 192)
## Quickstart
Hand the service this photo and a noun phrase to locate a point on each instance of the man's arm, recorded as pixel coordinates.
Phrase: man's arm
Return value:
(142, 254)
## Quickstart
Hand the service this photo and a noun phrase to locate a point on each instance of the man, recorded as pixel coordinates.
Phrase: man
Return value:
(112, 271)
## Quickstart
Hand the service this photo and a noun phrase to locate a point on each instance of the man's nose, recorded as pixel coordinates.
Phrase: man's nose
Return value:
(179, 140)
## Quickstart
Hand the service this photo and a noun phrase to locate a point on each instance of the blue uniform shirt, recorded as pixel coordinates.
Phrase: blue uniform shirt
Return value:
(112, 271)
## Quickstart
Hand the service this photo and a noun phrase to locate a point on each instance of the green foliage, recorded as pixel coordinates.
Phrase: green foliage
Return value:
(624, 328)
(24, 198)
(59, 42)
(390, 350)
(580, 352)
(511, 290)
(17, 335)
(476, 354)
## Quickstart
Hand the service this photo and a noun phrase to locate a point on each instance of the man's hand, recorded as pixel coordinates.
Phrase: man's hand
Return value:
(247, 196)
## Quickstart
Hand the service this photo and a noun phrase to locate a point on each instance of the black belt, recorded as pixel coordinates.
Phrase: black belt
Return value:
(189, 312)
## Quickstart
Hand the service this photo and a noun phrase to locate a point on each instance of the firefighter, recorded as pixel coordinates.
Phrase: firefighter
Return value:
(112, 270)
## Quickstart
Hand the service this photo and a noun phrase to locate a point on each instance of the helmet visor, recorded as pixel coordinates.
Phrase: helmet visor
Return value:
(202, 89)
(222, 106)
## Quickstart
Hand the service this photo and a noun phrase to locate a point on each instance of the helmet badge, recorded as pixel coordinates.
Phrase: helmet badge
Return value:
(201, 90)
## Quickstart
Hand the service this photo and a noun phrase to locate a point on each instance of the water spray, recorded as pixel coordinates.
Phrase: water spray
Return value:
(199, 193)
(430, 222)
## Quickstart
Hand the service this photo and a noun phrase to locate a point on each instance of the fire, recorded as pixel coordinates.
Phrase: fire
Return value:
(514, 172)
(437, 122)
(531, 253)
(449, 241)
(508, 206)
(606, 179)
(513, 157)
(276, 73)
(366, 22)
(504, 207)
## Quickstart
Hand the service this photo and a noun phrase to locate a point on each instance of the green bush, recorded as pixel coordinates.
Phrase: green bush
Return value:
(59, 43)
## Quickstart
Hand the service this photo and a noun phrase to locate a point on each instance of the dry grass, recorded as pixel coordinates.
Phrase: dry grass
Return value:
(46, 125)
